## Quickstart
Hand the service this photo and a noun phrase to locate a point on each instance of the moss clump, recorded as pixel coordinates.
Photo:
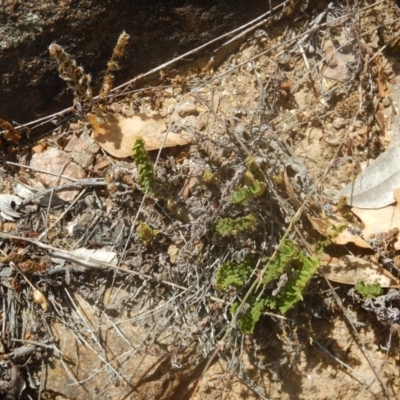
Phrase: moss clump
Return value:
(209, 178)
(146, 233)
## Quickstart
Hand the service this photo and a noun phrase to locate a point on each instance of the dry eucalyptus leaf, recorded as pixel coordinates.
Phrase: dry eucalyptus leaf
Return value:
(117, 134)
(374, 187)
(351, 270)
(380, 221)
(330, 227)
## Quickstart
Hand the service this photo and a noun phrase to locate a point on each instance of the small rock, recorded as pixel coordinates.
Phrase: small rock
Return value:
(338, 123)
(173, 252)
(190, 121)
(187, 109)
(386, 102)
(57, 162)
(39, 148)
(363, 130)
(83, 149)
(202, 122)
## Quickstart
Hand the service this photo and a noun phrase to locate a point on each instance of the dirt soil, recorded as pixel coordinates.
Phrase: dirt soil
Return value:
(120, 275)
(89, 29)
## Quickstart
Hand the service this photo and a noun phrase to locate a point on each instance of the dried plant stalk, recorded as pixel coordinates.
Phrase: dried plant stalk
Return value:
(112, 65)
(75, 77)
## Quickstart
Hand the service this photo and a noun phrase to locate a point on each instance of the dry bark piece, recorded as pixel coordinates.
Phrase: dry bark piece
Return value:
(88, 257)
(26, 192)
(103, 255)
(351, 270)
(117, 134)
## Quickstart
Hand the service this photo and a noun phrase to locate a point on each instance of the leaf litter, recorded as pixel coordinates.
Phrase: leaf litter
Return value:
(375, 186)
(116, 134)
(275, 114)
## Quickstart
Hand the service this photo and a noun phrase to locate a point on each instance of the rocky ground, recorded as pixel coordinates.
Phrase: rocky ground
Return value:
(119, 273)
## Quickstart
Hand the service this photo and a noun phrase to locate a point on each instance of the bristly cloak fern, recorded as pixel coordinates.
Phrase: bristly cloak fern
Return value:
(290, 260)
(247, 192)
(231, 227)
(146, 178)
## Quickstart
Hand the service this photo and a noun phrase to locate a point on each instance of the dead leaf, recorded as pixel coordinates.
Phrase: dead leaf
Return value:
(292, 196)
(381, 220)
(336, 62)
(117, 134)
(380, 119)
(10, 133)
(330, 227)
(351, 270)
(383, 89)
(39, 148)
(187, 185)
(101, 163)
(374, 187)
(181, 157)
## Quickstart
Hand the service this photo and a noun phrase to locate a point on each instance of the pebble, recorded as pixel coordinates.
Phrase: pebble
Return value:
(338, 123)
(187, 109)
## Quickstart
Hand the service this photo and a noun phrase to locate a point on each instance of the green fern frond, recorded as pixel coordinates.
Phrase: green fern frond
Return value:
(288, 253)
(368, 291)
(231, 227)
(232, 274)
(293, 290)
(290, 260)
(247, 192)
(146, 178)
(248, 319)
